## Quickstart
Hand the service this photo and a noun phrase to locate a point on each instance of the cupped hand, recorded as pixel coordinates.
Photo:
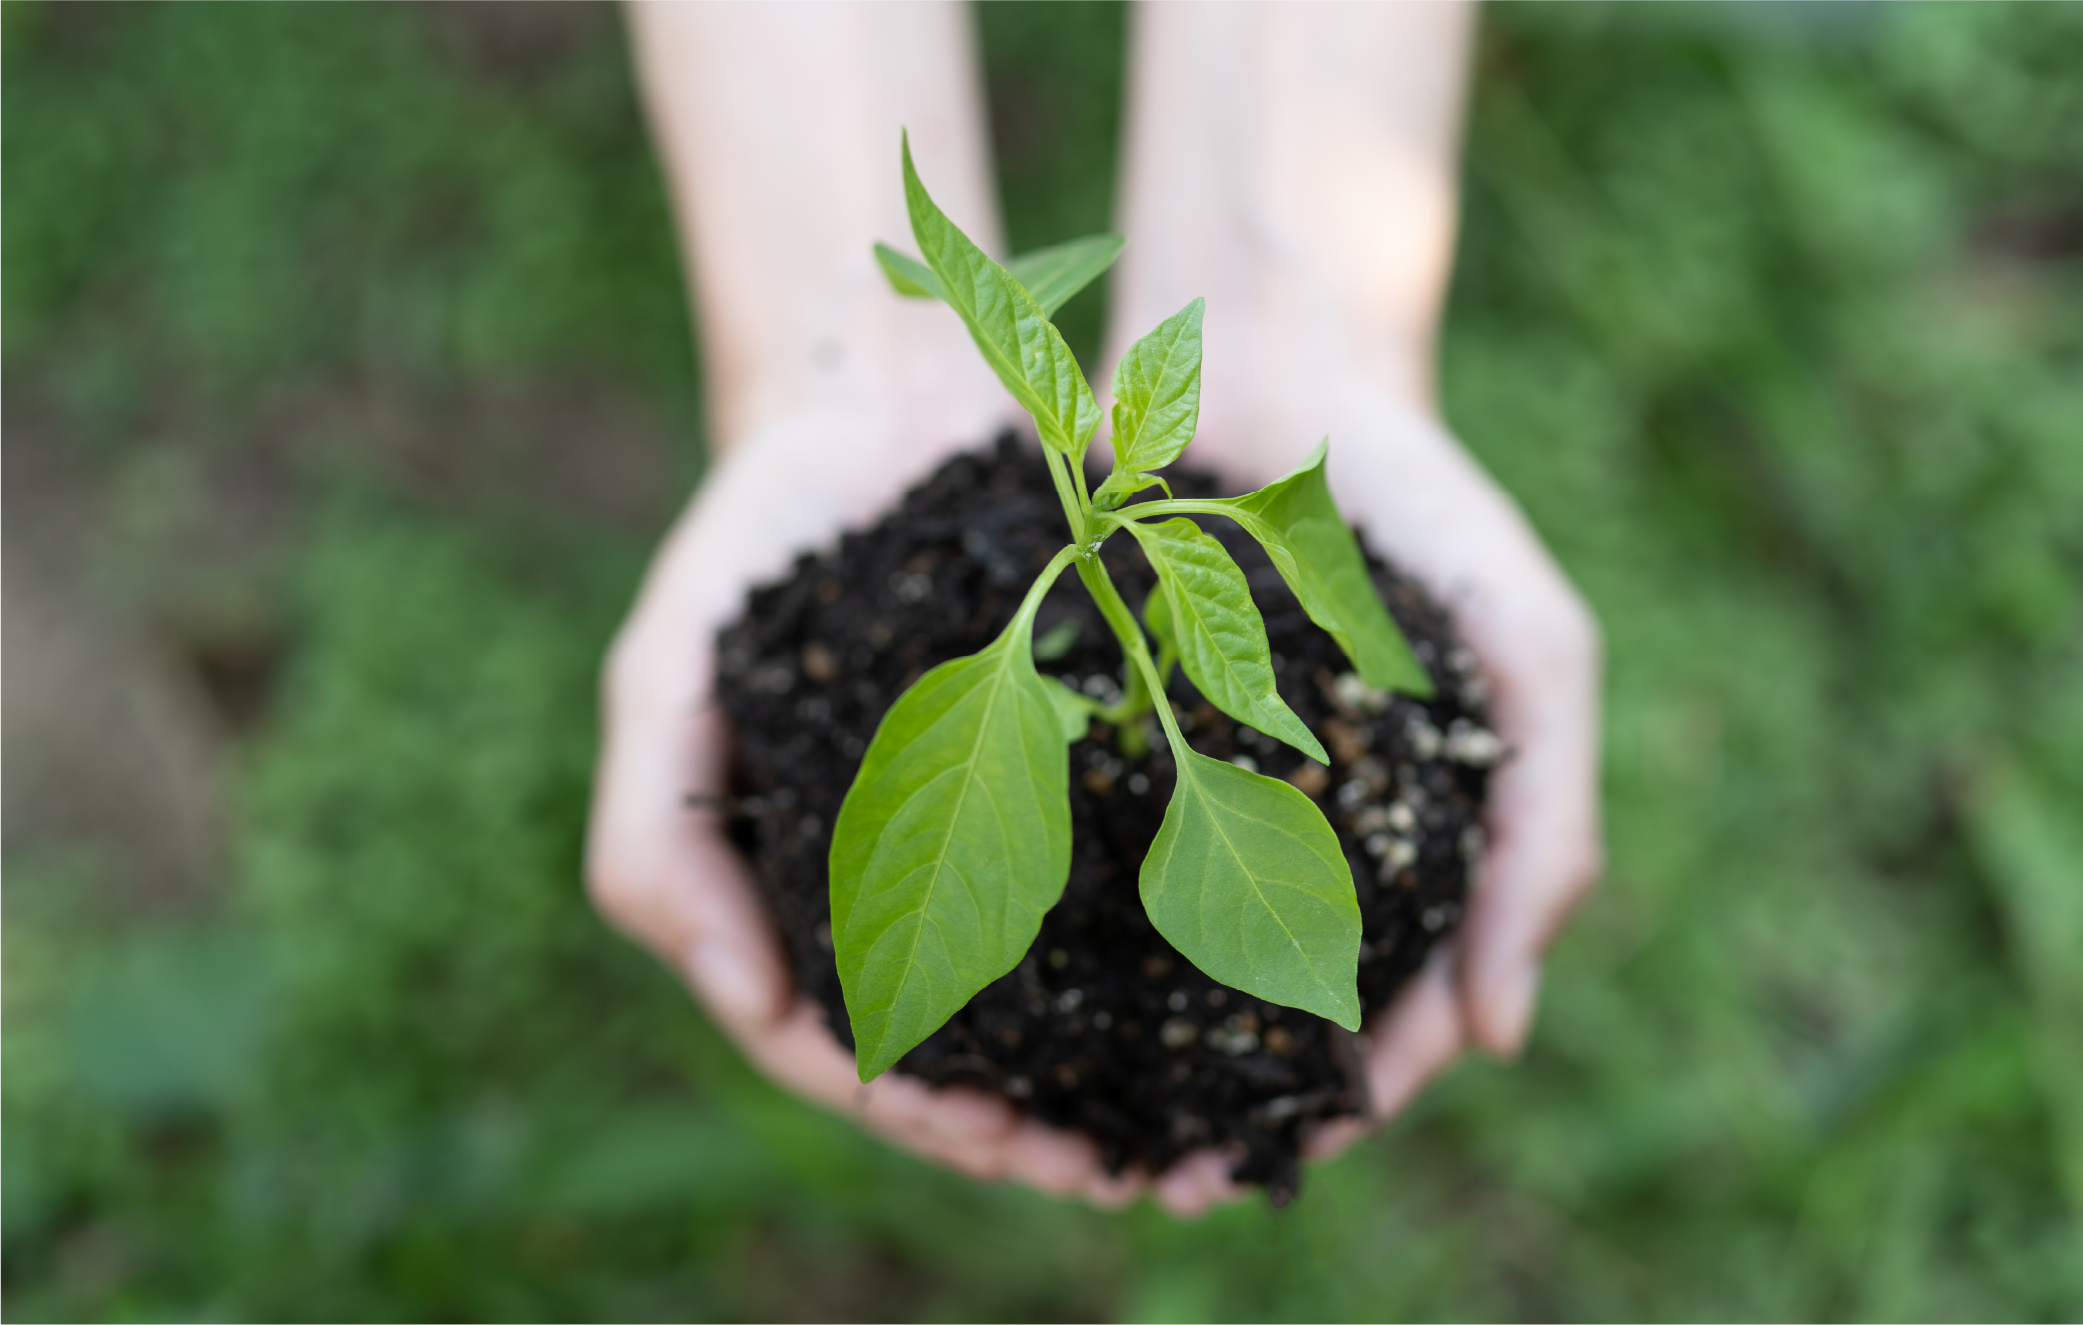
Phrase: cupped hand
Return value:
(1425, 503)
(657, 861)
(661, 869)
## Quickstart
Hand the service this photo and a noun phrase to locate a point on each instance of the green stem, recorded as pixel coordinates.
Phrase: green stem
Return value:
(1173, 506)
(1133, 644)
(1074, 506)
(1032, 602)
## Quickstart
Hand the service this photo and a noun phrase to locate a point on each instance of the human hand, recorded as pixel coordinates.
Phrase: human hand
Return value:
(1424, 502)
(663, 872)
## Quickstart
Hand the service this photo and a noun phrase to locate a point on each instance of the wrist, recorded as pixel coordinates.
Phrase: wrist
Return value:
(903, 368)
(1283, 362)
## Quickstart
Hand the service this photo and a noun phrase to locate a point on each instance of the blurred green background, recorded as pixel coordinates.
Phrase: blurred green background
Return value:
(348, 380)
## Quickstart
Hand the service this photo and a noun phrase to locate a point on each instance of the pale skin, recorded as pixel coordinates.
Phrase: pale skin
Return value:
(1293, 163)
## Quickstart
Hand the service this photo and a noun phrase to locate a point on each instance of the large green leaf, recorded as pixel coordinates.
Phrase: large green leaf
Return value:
(1217, 629)
(952, 842)
(1247, 880)
(1017, 339)
(1053, 274)
(1298, 524)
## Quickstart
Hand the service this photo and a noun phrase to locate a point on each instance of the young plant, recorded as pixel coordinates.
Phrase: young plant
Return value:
(954, 839)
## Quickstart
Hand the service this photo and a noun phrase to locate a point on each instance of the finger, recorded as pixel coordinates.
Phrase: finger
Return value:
(649, 854)
(1333, 1137)
(657, 865)
(800, 1054)
(1409, 1044)
(661, 871)
(1543, 818)
(1469, 543)
(955, 1115)
(1052, 1160)
(1116, 1191)
(1194, 1185)
(962, 1129)
(1417, 1037)
(982, 1161)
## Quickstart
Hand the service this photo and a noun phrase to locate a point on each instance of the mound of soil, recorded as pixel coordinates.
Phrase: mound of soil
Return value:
(1103, 1026)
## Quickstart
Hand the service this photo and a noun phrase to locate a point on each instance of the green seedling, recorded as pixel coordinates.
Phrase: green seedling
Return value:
(954, 839)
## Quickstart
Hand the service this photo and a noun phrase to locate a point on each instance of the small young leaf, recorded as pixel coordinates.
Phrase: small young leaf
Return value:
(1052, 275)
(1017, 339)
(1157, 615)
(1248, 881)
(1220, 635)
(1157, 393)
(1123, 484)
(951, 844)
(907, 275)
(1056, 641)
(1297, 523)
(1073, 710)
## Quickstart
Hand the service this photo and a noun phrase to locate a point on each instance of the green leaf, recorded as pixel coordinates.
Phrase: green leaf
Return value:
(1248, 881)
(907, 275)
(1298, 524)
(1056, 640)
(1157, 615)
(1052, 275)
(1123, 484)
(952, 842)
(1219, 633)
(1017, 339)
(1157, 393)
(1073, 711)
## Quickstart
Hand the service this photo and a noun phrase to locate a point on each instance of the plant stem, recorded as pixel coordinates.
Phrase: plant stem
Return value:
(1143, 674)
(1074, 504)
(1132, 643)
(1124, 716)
(1171, 506)
(1032, 602)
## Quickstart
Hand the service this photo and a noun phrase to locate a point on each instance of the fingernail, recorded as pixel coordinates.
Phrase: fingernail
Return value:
(1511, 1010)
(727, 983)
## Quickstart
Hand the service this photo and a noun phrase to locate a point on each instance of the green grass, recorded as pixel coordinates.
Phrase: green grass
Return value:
(1772, 317)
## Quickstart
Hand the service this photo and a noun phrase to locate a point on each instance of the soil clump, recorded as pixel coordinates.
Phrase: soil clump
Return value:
(1103, 1026)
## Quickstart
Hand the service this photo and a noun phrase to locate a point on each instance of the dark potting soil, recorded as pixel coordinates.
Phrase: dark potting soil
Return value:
(1103, 1026)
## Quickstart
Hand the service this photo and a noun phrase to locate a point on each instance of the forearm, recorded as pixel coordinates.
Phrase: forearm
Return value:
(1296, 164)
(777, 128)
